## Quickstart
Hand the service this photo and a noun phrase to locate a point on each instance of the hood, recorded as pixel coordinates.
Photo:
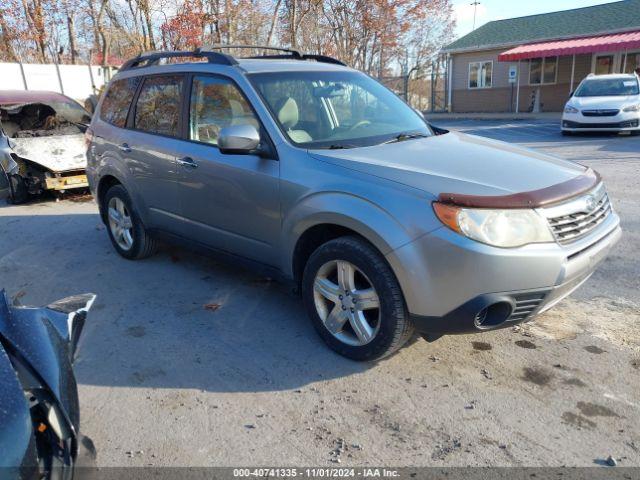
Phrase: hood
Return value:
(457, 163)
(57, 153)
(603, 103)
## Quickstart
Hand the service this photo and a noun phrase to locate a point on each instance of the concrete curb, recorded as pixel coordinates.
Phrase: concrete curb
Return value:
(553, 116)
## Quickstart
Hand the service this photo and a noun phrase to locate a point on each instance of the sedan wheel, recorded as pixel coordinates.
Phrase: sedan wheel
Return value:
(347, 303)
(120, 223)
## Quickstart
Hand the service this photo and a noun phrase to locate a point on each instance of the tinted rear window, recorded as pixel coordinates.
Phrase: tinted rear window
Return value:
(115, 105)
(158, 106)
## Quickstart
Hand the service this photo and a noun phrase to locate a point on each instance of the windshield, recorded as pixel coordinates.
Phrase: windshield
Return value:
(608, 87)
(57, 117)
(337, 109)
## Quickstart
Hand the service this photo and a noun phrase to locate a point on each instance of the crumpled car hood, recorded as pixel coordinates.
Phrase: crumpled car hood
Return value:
(58, 153)
(457, 162)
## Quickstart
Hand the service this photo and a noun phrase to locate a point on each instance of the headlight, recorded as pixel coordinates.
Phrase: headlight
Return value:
(632, 108)
(570, 109)
(500, 228)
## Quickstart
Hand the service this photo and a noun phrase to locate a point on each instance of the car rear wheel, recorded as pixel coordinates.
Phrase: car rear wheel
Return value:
(354, 300)
(126, 231)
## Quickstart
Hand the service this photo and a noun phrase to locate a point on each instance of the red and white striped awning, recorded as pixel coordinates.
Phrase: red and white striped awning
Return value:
(603, 43)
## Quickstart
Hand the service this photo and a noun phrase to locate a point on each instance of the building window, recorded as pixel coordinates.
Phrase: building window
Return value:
(543, 70)
(604, 64)
(632, 62)
(480, 74)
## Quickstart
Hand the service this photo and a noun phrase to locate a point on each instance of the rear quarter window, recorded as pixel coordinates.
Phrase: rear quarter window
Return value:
(116, 103)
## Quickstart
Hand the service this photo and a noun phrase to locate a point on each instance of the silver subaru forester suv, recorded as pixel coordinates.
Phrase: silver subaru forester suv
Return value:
(320, 174)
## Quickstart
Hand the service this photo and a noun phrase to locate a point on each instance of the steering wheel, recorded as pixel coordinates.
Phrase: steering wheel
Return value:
(361, 123)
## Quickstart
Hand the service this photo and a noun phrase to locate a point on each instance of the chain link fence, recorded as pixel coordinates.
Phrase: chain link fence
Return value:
(424, 88)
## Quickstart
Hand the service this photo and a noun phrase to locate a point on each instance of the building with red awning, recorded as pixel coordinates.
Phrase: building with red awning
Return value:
(533, 63)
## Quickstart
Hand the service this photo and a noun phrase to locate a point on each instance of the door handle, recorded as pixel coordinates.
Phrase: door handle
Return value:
(125, 148)
(187, 162)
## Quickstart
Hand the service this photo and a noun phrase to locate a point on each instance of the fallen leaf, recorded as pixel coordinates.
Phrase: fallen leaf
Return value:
(212, 306)
(16, 298)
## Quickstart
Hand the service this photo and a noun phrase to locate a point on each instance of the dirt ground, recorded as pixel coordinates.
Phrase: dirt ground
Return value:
(165, 381)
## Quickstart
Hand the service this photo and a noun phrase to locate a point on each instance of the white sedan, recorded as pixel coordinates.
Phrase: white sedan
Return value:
(604, 103)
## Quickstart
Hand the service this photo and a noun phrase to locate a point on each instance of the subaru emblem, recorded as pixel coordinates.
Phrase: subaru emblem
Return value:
(591, 203)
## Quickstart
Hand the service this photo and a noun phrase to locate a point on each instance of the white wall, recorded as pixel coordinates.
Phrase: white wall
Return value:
(76, 79)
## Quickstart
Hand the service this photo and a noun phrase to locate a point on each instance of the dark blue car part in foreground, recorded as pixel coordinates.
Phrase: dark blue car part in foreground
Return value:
(39, 411)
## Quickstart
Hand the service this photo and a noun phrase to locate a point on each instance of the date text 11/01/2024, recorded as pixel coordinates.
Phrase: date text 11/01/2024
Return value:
(316, 472)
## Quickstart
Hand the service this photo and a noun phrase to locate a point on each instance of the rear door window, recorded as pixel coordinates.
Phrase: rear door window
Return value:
(116, 103)
(158, 106)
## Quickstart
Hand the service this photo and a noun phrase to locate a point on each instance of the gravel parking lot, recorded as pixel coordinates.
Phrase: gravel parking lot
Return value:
(166, 381)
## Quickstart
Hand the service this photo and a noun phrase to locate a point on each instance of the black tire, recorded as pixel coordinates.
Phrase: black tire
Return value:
(19, 193)
(143, 244)
(635, 133)
(395, 325)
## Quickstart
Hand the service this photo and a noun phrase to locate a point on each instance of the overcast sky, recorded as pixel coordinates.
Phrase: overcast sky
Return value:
(489, 10)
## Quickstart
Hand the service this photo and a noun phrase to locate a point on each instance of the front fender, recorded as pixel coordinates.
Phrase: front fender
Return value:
(367, 219)
(8, 166)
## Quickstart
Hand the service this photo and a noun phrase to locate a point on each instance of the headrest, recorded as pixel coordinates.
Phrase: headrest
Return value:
(288, 112)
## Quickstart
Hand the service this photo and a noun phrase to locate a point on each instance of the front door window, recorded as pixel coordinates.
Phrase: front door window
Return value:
(216, 103)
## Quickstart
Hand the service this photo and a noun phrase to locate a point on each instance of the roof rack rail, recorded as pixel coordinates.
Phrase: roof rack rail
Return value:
(146, 59)
(213, 55)
(292, 53)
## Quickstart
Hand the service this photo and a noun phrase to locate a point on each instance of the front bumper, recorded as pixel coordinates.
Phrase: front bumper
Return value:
(623, 121)
(66, 182)
(448, 280)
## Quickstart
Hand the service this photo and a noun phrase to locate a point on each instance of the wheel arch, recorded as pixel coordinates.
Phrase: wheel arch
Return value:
(105, 183)
(108, 178)
(326, 217)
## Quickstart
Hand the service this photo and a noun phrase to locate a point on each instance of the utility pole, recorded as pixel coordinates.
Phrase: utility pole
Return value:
(475, 7)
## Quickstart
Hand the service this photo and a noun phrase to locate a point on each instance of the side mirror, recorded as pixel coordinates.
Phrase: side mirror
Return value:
(239, 139)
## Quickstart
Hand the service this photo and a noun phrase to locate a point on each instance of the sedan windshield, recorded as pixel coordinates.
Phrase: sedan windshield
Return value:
(337, 109)
(608, 87)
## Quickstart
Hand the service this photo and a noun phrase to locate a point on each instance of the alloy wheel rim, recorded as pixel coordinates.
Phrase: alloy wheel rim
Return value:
(347, 302)
(120, 223)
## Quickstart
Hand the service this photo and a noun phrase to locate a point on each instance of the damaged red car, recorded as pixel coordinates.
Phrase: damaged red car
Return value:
(41, 144)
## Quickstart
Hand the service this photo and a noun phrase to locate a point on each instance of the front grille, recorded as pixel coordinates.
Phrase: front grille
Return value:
(590, 211)
(526, 305)
(600, 113)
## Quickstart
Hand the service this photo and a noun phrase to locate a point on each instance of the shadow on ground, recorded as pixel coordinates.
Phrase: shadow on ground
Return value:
(176, 320)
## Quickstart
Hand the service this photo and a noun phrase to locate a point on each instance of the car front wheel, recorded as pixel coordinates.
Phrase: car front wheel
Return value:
(354, 300)
(126, 231)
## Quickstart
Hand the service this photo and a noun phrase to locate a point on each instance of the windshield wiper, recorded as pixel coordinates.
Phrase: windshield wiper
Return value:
(337, 146)
(401, 137)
